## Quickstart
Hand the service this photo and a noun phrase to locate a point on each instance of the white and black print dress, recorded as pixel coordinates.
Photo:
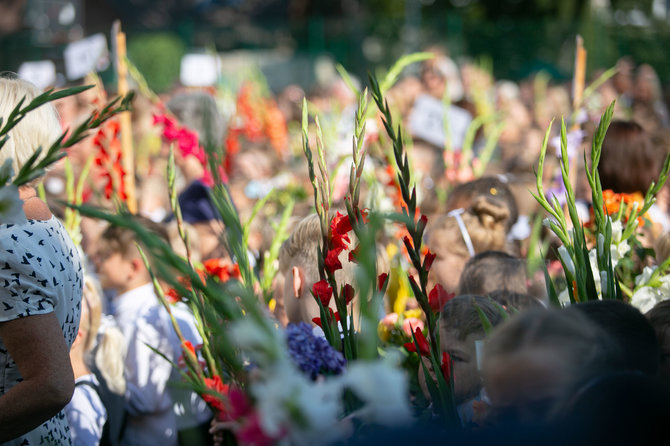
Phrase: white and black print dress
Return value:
(40, 273)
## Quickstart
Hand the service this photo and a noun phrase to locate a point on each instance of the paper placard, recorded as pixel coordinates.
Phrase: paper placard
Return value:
(426, 121)
(85, 56)
(42, 73)
(199, 70)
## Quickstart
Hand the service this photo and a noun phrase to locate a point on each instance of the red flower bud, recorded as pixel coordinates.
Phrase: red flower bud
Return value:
(437, 297)
(348, 292)
(322, 291)
(424, 347)
(381, 281)
(428, 260)
(446, 366)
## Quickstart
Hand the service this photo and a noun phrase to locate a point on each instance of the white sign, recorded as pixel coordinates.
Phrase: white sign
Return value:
(42, 73)
(85, 56)
(426, 121)
(199, 70)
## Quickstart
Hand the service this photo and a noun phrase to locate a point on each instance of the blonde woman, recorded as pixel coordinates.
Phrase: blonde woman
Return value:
(40, 293)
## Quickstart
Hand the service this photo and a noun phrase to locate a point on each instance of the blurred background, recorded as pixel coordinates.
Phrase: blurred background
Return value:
(297, 41)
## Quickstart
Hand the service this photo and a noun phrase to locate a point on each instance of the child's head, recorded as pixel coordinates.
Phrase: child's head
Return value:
(493, 188)
(298, 263)
(537, 359)
(460, 327)
(636, 347)
(491, 271)
(459, 235)
(100, 349)
(117, 259)
(629, 162)
(659, 317)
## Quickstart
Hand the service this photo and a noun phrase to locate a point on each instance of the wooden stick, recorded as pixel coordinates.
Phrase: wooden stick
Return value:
(127, 153)
(579, 78)
(577, 95)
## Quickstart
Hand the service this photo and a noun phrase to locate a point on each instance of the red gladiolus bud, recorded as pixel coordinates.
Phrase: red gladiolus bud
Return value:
(348, 292)
(317, 321)
(322, 291)
(446, 366)
(437, 297)
(428, 260)
(353, 254)
(381, 281)
(424, 347)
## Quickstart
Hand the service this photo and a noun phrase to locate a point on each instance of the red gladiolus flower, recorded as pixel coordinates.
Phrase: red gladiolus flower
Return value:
(348, 292)
(172, 296)
(218, 386)
(332, 261)
(334, 316)
(428, 260)
(424, 347)
(446, 366)
(222, 269)
(323, 292)
(381, 280)
(340, 226)
(437, 297)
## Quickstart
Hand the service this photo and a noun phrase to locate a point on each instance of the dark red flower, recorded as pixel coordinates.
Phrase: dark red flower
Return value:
(334, 316)
(332, 261)
(424, 347)
(446, 366)
(348, 293)
(428, 260)
(437, 297)
(323, 292)
(381, 281)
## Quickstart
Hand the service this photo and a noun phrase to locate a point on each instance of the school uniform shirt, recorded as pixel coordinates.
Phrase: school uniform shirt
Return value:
(86, 414)
(144, 322)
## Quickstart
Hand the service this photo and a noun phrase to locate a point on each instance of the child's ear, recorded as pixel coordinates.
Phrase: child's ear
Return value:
(298, 280)
(138, 264)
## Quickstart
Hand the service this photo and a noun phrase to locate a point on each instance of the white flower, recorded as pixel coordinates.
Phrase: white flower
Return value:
(308, 412)
(646, 297)
(618, 252)
(617, 231)
(593, 260)
(11, 206)
(567, 260)
(643, 278)
(382, 386)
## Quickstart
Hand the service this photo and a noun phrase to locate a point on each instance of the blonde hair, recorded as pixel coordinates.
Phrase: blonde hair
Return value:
(40, 127)
(486, 223)
(107, 345)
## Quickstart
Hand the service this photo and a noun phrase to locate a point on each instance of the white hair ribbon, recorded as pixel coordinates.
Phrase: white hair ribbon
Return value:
(456, 213)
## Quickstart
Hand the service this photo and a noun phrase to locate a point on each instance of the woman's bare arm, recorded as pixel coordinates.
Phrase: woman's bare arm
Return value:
(37, 345)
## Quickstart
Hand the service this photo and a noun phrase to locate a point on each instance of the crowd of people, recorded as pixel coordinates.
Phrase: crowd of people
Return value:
(89, 350)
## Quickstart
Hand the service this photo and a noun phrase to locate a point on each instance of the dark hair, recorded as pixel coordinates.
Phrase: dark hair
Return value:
(659, 318)
(460, 314)
(489, 271)
(513, 301)
(493, 188)
(629, 162)
(630, 331)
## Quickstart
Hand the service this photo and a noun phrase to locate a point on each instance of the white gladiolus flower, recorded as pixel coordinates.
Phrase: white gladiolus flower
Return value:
(567, 260)
(382, 385)
(593, 261)
(646, 297)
